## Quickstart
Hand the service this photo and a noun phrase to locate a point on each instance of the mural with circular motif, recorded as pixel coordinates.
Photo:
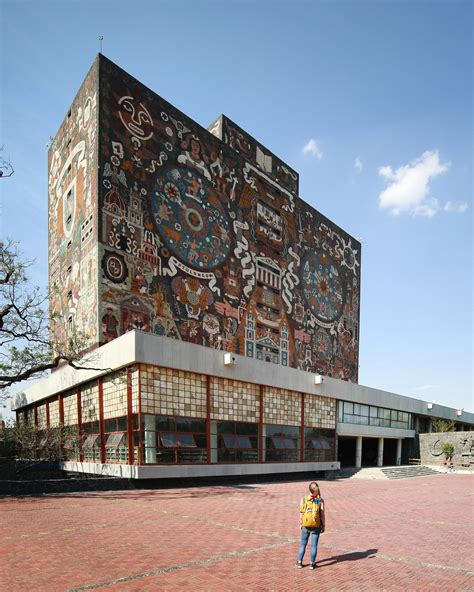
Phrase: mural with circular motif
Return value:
(190, 218)
(322, 286)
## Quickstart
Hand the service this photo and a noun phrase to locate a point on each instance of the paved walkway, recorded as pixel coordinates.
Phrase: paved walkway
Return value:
(415, 534)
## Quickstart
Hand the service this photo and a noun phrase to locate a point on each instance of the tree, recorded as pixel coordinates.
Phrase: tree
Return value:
(27, 350)
(448, 450)
(26, 442)
(6, 167)
(444, 425)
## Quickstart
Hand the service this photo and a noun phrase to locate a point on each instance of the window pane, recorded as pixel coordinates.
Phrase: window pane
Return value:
(289, 443)
(169, 440)
(91, 441)
(316, 443)
(243, 441)
(278, 443)
(229, 441)
(349, 408)
(326, 445)
(373, 412)
(364, 410)
(356, 409)
(115, 440)
(186, 441)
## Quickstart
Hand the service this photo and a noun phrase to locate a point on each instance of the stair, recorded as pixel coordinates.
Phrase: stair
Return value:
(402, 472)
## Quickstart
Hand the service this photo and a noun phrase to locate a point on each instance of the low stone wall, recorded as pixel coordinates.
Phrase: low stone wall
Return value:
(431, 446)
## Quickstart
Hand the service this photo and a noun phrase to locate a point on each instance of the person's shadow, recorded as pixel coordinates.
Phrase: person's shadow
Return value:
(369, 554)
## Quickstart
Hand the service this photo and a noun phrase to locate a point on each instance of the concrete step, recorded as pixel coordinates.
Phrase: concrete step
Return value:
(405, 472)
(396, 472)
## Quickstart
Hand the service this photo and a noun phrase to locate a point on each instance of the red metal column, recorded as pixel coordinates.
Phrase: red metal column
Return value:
(101, 421)
(260, 427)
(79, 422)
(302, 428)
(61, 409)
(36, 429)
(140, 439)
(130, 417)
(208, 418)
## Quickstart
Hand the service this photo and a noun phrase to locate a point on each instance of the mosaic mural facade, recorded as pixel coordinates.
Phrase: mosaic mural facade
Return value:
(72, 217)
(202, 237)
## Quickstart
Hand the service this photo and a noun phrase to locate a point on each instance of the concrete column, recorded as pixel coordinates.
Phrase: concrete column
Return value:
(150, 439)
(417, 425)
(358, 458)
(380, 453)
(430, 425)
(399, 451)
(263, 442)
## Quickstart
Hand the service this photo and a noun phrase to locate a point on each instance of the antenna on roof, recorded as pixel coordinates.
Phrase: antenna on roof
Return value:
(101, 38)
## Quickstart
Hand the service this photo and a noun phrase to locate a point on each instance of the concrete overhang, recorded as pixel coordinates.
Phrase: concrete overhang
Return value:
(147, 348)
(351, 429)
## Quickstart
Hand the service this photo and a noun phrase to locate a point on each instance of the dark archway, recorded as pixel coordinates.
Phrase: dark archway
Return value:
(346, 451)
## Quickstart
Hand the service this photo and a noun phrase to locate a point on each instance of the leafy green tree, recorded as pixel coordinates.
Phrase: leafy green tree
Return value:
(444, 425)
(448, 450)
(27, 348)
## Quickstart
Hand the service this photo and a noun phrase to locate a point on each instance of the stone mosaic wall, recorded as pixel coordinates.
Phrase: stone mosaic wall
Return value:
(73, 218)
(115, 395)
(70, 409)
(172, 392)
(41, 416)
(90, 402)
(54, 413)
(281, 406)
(319, 412)
(431, 447)
(204, 238)
(234, 400)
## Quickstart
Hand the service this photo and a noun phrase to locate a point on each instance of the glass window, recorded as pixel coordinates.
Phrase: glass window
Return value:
(364, 410)
(169, 440)
(91, 441)
(373, 412)
(356, 409)
(115, 440)
(349, 408)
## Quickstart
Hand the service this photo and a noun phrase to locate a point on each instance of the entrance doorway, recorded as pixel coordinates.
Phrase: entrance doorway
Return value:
(369, 452)
(346, 451)
(390, 452)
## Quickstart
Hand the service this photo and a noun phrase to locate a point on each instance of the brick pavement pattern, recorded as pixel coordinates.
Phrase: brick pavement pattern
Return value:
(413, 534)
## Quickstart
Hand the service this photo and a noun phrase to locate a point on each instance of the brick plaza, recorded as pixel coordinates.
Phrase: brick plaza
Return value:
(413, 534)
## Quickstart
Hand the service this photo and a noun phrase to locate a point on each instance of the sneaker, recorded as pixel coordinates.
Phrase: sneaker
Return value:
(299, 564)
(312, 565)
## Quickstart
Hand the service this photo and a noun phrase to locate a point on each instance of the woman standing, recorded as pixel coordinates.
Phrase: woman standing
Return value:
(312, 523)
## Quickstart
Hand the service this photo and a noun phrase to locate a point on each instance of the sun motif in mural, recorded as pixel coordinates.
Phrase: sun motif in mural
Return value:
(349, 256)
(322, 286)
(190, 218)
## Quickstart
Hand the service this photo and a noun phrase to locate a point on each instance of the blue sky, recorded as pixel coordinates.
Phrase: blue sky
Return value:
(370, 101)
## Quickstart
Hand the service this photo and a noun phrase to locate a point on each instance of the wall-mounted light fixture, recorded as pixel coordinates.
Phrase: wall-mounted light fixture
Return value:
(318, 379)
(230, 359)
(429, 405)
(460, 411)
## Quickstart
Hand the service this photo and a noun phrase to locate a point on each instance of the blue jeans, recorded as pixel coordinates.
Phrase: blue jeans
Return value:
(305, 534)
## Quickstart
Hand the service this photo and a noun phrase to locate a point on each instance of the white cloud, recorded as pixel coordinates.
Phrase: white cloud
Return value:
(312, 147)
(358, 164)
(457, 208)
(409, 188)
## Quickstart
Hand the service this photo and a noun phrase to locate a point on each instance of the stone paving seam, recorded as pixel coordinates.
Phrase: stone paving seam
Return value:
(164, 570)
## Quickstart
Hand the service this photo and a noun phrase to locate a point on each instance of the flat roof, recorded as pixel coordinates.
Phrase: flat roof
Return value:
(147, 348)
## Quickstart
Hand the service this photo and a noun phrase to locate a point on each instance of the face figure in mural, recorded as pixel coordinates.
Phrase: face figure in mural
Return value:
(136, 119)
(109, 325)
(211, 326)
